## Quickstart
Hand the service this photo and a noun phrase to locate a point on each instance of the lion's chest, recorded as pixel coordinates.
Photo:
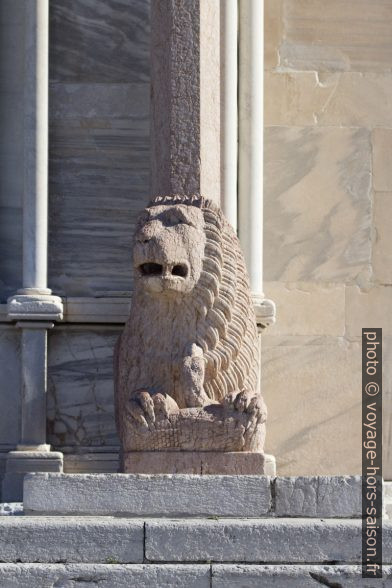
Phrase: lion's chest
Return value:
(166, 344)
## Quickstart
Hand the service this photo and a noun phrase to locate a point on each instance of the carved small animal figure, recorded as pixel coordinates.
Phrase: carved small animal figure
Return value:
(186, 364)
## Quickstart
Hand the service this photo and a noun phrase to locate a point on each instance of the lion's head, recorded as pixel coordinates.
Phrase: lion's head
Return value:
(169, 248)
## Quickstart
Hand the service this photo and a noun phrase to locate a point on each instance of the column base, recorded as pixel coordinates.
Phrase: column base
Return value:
(20, 463)
(265, 311)
(199, 462)
(34, 305)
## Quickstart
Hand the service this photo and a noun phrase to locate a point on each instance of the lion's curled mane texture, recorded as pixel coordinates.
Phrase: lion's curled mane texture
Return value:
(226, 330)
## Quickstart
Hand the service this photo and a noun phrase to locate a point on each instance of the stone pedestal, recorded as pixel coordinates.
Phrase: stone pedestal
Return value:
(21, 462)
(199, 462)
(32, 453)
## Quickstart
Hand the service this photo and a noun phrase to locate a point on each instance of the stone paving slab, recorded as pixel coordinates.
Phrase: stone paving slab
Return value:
(268, 540)
(71, 539)
(147, 495)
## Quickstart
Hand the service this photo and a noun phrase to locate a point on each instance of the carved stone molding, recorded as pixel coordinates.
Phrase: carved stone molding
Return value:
(32, 307)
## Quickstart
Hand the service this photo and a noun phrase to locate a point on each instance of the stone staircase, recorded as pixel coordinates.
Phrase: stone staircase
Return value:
(114, 530)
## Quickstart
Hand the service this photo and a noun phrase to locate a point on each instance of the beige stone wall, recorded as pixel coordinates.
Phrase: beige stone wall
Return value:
(328, 224)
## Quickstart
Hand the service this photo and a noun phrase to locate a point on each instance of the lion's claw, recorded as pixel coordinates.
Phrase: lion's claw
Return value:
(146, 403)
(146, 408)
(141, 408)
(247, 401)
(136, 412)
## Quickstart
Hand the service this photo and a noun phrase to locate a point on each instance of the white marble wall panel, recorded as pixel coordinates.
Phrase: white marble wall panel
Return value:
(99, 142)
(11, 145)
(9, 386)
(80, 408)
(99, 179)
(104, 41)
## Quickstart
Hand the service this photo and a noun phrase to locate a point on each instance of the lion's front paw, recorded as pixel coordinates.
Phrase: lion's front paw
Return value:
(141, 408)
(249, 402)
(164, 405)
(146, 408)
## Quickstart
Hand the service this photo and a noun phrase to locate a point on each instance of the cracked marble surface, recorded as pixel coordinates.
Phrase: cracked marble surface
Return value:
(80, 408)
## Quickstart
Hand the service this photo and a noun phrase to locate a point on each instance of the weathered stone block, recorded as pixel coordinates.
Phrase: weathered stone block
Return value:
(319, 496)
(82, 539)
(262, 540)
(19, 462)
(104, 576)
(138, 495)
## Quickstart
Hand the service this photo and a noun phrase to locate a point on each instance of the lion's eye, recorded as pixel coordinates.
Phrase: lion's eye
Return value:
(175, 220)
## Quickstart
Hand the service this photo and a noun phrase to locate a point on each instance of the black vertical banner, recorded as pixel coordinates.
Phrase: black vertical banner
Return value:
(372, 453)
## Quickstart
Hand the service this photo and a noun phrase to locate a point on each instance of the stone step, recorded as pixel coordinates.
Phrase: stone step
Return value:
(71, 539)
(185, 575)
(301, 576)
(121, 540)
(269, 540)
(178, 495)
(181, 495)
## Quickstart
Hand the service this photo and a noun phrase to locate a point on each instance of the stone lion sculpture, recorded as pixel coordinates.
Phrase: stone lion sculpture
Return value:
(186, 364)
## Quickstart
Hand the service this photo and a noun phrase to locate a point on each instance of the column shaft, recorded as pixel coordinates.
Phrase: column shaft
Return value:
(33, 405)
(230, 109)
(35, 199)
(251, 51)
(185, 97)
